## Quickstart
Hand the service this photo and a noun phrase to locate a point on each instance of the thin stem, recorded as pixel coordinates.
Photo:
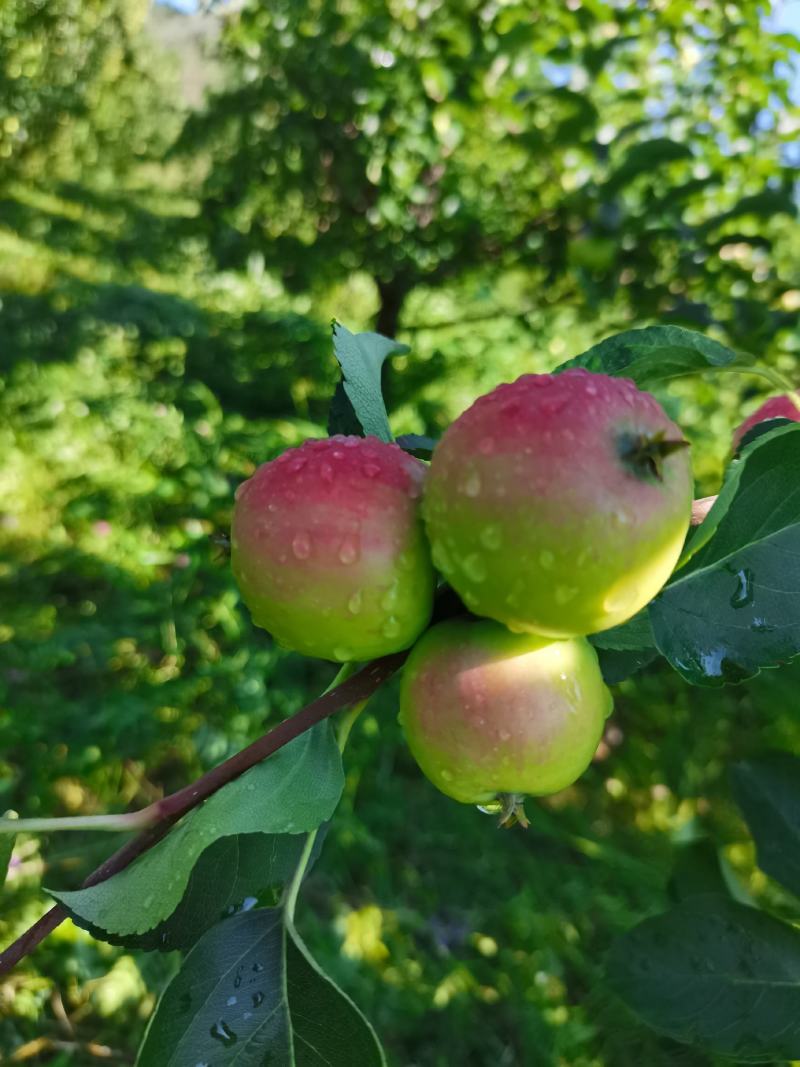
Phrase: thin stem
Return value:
(132, 820)
(167, 811)
(342, 734)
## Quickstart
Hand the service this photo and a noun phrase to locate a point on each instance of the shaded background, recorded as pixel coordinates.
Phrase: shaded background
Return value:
(186, 199)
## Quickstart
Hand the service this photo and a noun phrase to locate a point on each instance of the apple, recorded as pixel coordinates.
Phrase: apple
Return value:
(329, 551)
(777, 407)
(559, 504)
(487, 712)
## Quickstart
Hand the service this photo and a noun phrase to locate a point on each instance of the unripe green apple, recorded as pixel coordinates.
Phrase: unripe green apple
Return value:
(777, 407)
(329, 551)
(488, 712)
(559, 504)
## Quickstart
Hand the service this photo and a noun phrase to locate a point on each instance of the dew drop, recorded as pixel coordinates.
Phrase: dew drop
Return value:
(620, 518)
(258, 999)
(301, 545)
(326, 473)
(389, 599)
(744, 594)
(491, 537)
(371, 470)
(474, 567)
(546, 559)
(591, 389)
(486, 445)
(297, 464)
(232, 1002)
(348, 550)
(343, 654)
(491, 807)
(258, 968)
(565, 593)
(222, 1032)
(355, 602)
(148, 900)
(338, 454)
(447, 776)
(472, 484)
(391, 628)
(504, 735)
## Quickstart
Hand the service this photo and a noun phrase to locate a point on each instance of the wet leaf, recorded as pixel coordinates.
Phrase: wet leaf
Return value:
(733, 608)
(291, 792)
(767, 789)
(714, 974)
(250, 994)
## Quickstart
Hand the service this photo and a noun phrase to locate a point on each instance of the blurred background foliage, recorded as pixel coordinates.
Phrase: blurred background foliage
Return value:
(186, 199)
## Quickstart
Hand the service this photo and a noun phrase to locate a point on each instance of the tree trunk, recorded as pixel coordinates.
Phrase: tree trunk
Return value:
(392, 294)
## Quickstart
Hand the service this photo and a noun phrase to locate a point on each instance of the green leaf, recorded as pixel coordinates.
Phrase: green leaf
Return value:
(234, 873)
(361, 357)
(6, 848)
(646, 157)
(715, 974)
(734, 607)
(654, 354)
(767, 790)
(249, 994)
(624, 650)
(291, 792)
(759, 430)
(762, 205)
(418, 444)
(701, 868)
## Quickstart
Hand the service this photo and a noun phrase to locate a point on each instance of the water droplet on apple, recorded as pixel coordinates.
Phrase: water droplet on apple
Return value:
(504, 735)
(565, 593)
(342, 654)
(297, 464)
(371, 470)
(301, 545)
(491, 537)
(546, 559)
(486, 446)
(391, 628)
(472, 484)
(474, 567)
(389, 599)
(447, 776)
(348, 550)
(326, 473)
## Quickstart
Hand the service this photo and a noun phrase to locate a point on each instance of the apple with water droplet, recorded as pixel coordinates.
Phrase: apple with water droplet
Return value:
(488, 712)
(777, 407)
(559, 504)
(329, 551)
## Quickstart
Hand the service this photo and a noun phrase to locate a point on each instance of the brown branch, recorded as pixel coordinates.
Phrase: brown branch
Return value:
(166, 812)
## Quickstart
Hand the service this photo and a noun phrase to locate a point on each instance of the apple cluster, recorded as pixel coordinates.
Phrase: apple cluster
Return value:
(555, 506)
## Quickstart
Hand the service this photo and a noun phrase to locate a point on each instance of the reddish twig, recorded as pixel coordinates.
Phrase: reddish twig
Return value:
(163, 814)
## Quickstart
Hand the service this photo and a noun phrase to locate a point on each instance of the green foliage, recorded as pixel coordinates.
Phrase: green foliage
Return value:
(731, 609)
(292, 792)
(767, 789)
(251, 985)
(508, 222)
(716, 974)
(361, 357)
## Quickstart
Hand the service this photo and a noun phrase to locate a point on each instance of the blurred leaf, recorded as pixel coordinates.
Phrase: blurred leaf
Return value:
(624, 650)
(714, 974)
(654, 354)
(6, 848)
(734, 607)
(762, 205)
(234, 873)
(701, 868)
(417, 444)
(249, 994)
(767, 789)
(646, 157)
(759, 430)
(291, 792)
(361, 357)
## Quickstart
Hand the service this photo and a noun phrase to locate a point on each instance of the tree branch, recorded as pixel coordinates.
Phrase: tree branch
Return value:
(164, 813)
